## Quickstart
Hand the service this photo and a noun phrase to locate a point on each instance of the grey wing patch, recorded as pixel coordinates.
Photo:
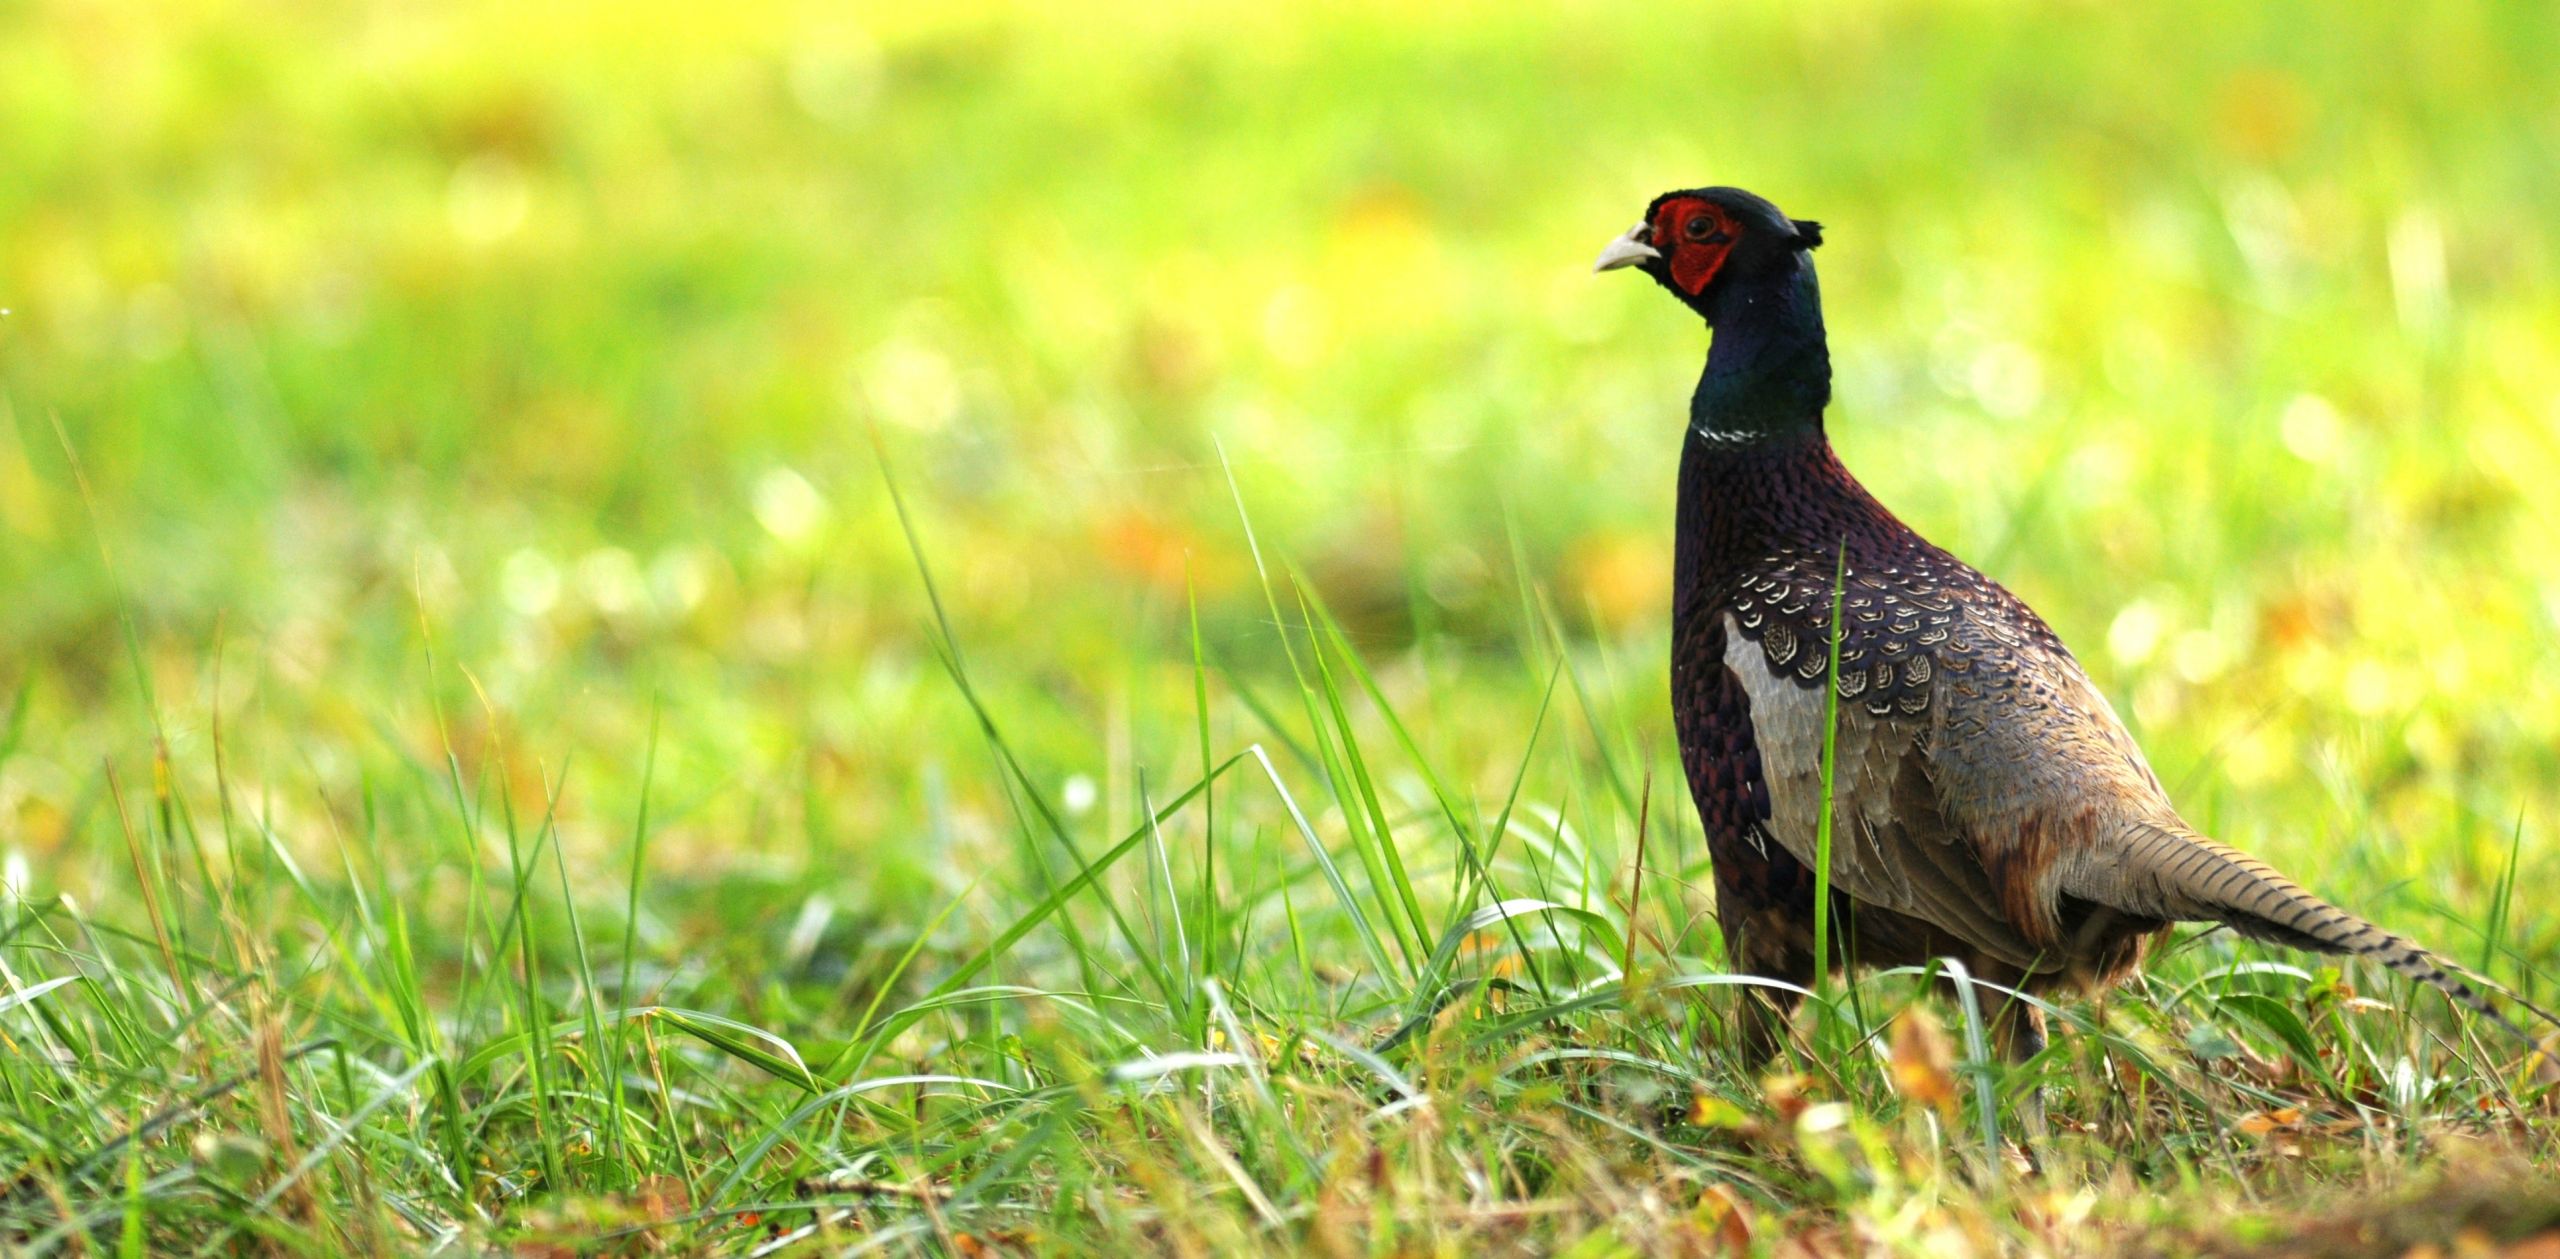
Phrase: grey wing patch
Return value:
(2027, 738)
(1890, 845)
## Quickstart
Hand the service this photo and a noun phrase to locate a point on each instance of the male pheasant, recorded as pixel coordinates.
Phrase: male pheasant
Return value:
(1987, 803)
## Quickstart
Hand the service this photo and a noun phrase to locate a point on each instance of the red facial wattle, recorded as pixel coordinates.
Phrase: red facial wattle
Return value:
(1694, 236)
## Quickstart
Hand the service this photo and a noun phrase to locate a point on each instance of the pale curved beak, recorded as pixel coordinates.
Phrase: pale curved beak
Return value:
(1628, 250)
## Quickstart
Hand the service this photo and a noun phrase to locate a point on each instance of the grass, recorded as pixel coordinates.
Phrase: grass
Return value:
(735, 629)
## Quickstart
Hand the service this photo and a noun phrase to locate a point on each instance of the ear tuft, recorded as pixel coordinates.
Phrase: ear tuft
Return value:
(1808, 233)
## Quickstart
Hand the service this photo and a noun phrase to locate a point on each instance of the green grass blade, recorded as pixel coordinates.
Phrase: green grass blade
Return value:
(1830, 768)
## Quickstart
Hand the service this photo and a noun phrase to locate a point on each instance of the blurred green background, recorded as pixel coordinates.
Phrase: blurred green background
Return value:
(482, 375)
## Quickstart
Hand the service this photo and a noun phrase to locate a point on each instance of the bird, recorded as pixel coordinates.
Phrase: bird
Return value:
(1987, 803)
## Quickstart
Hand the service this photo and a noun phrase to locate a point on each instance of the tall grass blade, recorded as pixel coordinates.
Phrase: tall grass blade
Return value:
(1978, 1066)
(1830, 768)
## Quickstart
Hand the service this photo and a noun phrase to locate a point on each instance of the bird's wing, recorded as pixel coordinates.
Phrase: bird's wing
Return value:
(2069, 772)
(2033, 766)
(1892, 845)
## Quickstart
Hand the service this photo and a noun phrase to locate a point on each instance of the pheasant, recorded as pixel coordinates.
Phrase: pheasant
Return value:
(1987, 803)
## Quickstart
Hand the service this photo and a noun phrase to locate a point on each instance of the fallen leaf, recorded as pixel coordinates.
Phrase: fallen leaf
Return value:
(2259, 1123)
(2545, 1245)
(1787, 1095)
(1706, 1110)
(1923, 1060)
(1726, 1217)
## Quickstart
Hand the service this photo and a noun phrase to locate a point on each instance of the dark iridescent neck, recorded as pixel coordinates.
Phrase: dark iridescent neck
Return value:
(1768, 372)
(1741, 503)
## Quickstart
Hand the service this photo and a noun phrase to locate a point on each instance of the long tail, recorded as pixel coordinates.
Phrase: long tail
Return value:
(2171, 872)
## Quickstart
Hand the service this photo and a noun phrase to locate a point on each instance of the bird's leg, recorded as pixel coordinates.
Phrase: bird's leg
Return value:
(1759, 949)
(2019, 1031)
(1764, 910)
(1765, 1016)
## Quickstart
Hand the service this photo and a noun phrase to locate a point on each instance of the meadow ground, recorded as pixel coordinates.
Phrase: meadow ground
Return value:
(486, 762)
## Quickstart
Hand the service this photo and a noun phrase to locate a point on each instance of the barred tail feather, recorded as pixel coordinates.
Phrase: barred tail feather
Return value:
(2171, 872)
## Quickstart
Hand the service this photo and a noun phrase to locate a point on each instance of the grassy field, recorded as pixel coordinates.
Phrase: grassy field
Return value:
(762, 628)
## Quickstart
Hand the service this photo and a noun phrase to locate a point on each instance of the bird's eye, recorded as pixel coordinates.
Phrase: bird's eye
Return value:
(1699, 228)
